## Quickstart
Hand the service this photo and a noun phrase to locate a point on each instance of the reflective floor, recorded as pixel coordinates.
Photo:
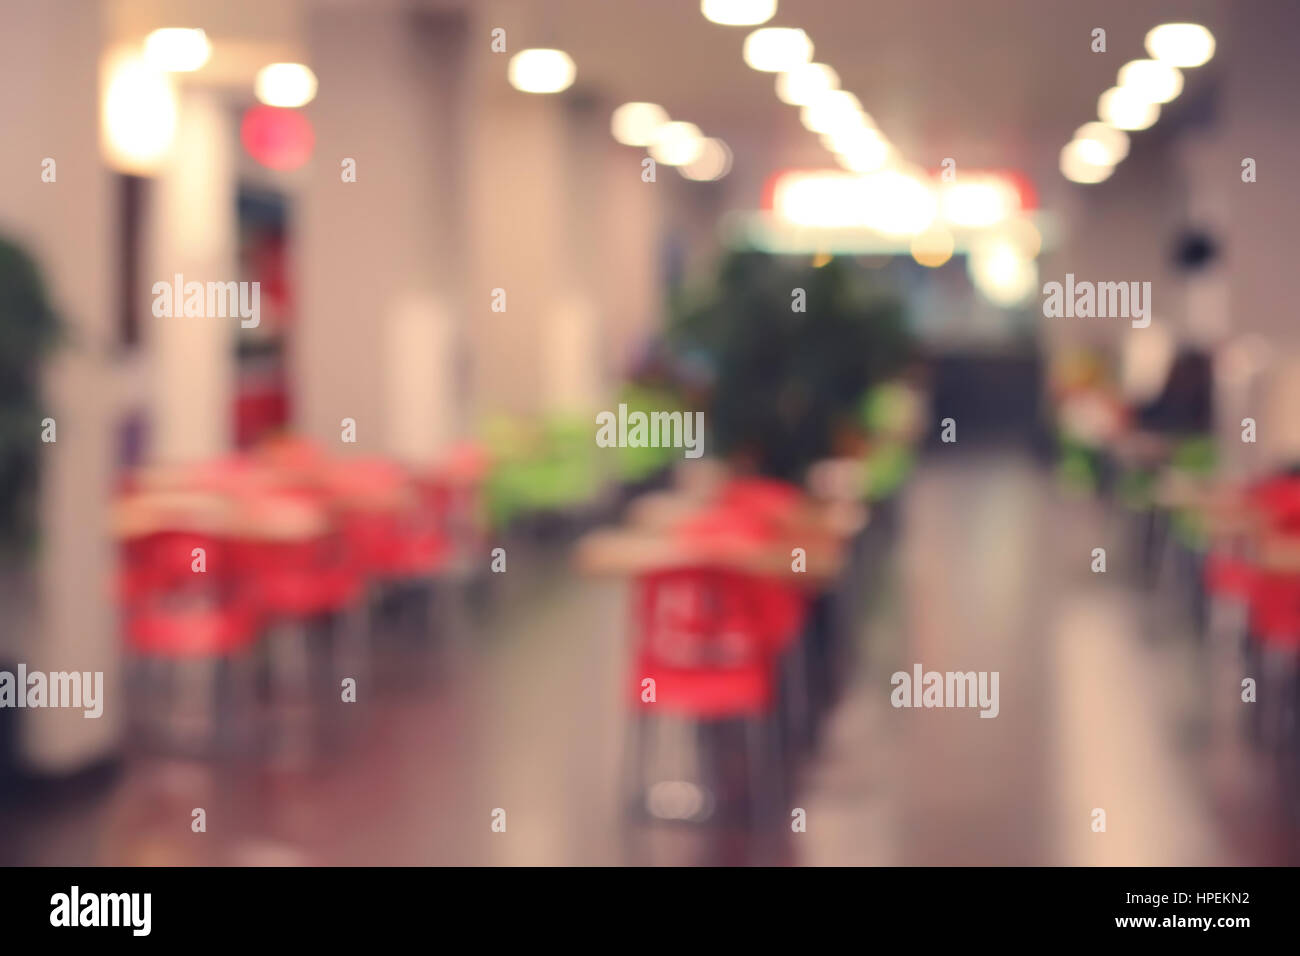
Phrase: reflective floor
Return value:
(1108, 700)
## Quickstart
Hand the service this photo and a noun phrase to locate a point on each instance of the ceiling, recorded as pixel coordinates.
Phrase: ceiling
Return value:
(990, 83)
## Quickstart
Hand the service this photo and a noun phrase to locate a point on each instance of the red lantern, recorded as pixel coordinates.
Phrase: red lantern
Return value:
(277, 138)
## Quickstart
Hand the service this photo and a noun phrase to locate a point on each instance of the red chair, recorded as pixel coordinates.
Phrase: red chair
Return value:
(302, 578)
(302, 572)
(1275, 609)
(1228, 576)
(175, 611)
(175, 616)
(770, 501)
(1274, 615)
(700, 636)
(394, 546)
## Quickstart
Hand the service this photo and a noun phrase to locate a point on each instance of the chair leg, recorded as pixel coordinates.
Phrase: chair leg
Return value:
(352, 650)
(290, 655)
(1279, 668)
(799, 707)
(755, 745)
(1253, 660)
(240, 672)
(636, 752)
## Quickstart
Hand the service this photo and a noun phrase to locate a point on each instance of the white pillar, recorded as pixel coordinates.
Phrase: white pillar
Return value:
(49, 61)
(193, 234)
(379, 257)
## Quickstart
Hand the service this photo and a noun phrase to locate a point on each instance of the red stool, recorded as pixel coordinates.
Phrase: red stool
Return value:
(304, 574)
(1228, 576)
(172, 609)
(390, 527)
(176, 616)
(1275, 634)
(700, 636)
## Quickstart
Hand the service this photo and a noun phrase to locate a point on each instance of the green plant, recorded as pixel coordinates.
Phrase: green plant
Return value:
(782, 382)
(29, 328)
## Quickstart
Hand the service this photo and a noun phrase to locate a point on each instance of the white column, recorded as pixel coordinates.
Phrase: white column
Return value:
(193, 235)
(377, 336)
(49, 60)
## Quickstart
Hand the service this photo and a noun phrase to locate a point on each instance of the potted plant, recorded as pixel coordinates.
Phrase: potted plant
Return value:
(28, 330)
(788, 349)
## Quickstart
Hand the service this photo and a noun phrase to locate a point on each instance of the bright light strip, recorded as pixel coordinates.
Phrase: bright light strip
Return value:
(777, 49)
(1114, 142)
(803, 84)
(1122, 109)
(1181, 44)
(177, 49)
(713, 163)
(978, 204)
(635, 124)
(888, 202)
(677, 144)
(738, 13)
(541, 71)
(285, 84)
(898, 204)
(826, 200)
(1151, 80)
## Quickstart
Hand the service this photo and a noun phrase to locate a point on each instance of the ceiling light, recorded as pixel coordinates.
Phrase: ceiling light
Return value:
(805, 83)
(1113, 141)
(1092, 152)
(777, 49)
(1002, 273)
(285, 84)
(635, 124)
(1181, 44)
(933, 247)
(738, 13)
(831, 111)
(867, 159)
(714, 162)
(677, 144)
(847, 139)
(177, 49)
(541, 71)
(1076, 167)
(138, 115)
(1152, 80)
(863, 150)
(1122, 109)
